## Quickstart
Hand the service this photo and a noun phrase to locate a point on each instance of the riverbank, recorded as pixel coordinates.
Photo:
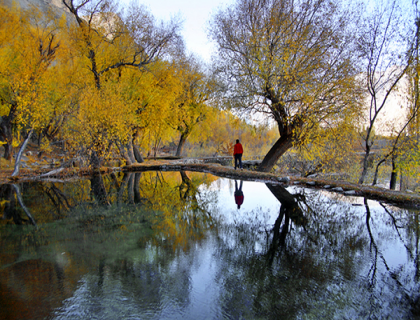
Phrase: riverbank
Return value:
(350, 189)
(405, 199)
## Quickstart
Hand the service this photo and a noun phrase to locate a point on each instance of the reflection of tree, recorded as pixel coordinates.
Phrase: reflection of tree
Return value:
(416, 231)
(251, 286)
(180, 217)
(187, 190)
(58, 198)
(98, 189)
(133, 246)
(181, 213)
(289, 210)
(394, 222)
(189, 194)
(183, 216)
(130, 256)
(127, 185)
(130, 185)
(136, 188)
(25, 209)
(372, 274)
(7, 194)
(323, 253)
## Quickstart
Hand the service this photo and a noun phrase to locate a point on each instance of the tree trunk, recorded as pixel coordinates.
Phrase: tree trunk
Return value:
(365, 165)
(127, 152)
(95, 160)
(375, 178)
(136, 150)
(181, 144)
(19, 155)
(394, 173)
(403, 181)
(283, 144)
(137, 154)
(125, 155)
(6, 133)
(130, 151)
(8, 151)
(156, 147)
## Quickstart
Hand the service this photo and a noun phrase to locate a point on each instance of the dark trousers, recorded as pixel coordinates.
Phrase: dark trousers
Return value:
(238, 160)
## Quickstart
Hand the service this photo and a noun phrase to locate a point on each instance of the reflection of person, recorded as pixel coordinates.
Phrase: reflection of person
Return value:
(237, 153)
(239, 195)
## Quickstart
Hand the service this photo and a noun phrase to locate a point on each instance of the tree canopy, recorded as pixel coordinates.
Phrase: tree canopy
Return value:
(289, 60)
(106, 83)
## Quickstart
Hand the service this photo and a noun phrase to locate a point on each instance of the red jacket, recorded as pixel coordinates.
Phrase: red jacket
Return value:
(237, 149)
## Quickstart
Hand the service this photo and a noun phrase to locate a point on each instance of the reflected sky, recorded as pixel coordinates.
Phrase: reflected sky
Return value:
(176, 246)
(256, 197)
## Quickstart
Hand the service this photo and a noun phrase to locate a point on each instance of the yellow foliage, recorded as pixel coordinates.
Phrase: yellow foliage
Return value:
(327, 149)
(29, 47)
(3, 203)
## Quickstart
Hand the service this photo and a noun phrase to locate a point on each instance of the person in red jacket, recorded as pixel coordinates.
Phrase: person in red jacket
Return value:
(237, 153)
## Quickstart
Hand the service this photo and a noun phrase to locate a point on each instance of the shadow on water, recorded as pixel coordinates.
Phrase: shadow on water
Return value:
(289, 210)
(99, 190)
(161, 245)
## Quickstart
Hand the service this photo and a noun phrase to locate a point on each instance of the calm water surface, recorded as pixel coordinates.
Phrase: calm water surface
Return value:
(175, 245)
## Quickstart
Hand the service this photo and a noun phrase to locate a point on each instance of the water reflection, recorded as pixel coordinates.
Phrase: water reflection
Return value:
(289, 209)
(10, 212)
(173, 245)
(98, 189)
(239, 195)
(317, 260)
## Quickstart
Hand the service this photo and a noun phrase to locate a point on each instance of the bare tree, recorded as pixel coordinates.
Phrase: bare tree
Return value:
(385, 61)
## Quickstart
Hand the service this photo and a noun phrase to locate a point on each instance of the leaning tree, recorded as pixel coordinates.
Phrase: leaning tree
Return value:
(290, 60)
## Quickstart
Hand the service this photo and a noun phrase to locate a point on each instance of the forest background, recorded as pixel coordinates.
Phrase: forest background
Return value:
(309, 87)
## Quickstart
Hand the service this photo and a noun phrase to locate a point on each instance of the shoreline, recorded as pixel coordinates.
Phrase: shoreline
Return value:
(404, 199)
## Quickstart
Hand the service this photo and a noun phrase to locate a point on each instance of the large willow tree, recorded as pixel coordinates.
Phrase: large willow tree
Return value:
(290, 60)
(111, 46)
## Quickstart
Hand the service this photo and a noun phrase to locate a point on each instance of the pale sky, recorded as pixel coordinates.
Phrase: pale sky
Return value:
(195, 14)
